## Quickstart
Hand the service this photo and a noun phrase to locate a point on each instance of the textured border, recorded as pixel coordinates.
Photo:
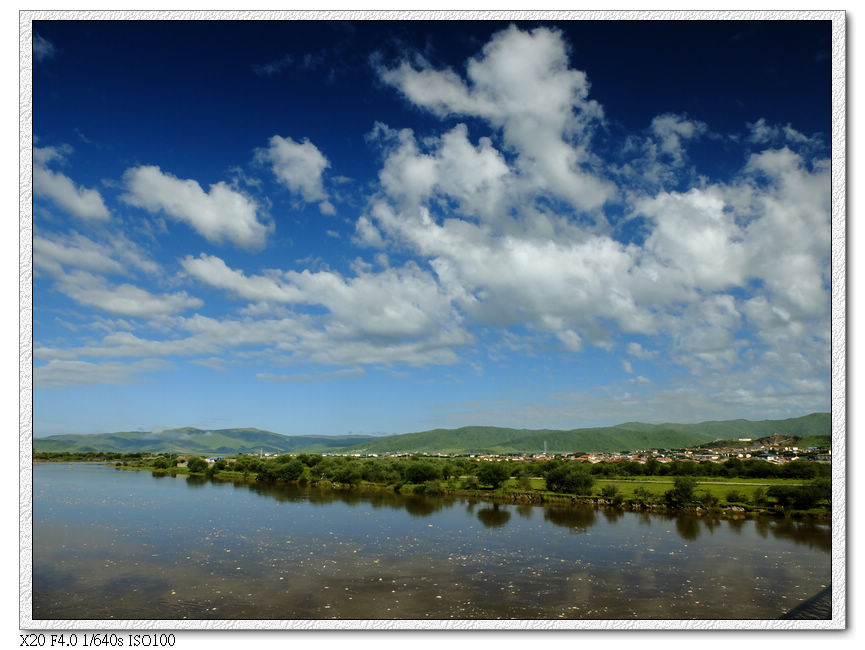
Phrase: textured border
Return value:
(839, 320)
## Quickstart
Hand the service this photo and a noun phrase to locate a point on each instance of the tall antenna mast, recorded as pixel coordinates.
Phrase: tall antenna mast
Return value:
(545, 447)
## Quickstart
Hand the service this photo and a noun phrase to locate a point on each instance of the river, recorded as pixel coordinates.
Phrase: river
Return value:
(115, 544)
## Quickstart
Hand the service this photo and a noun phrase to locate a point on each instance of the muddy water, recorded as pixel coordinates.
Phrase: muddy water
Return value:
(112, 544)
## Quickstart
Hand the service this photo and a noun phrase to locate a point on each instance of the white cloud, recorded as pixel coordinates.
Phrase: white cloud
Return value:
(695, 242)
(637, 350)
(522, 84)
(392, 304)
(671, 130)
(222, 214)
(514, 265)
(42, 48)
(273, 67)
(312, 377)
(59, 373)
(79, 201)
(213, 271)
(124, 299)
(299, 166)
(761, 132)
(54, 252)
(628, 368)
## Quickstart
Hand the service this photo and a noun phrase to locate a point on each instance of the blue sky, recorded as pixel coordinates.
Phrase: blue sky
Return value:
(382, 227)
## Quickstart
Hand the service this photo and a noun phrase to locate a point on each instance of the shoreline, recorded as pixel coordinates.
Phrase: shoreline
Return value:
(517, 497)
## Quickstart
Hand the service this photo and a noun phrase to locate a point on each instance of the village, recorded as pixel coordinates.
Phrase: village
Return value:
(776, 449)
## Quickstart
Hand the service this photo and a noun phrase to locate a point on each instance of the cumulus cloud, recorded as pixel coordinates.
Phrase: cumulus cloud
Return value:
(215, 272)
(220, 214)
(714, 259)
(53, 252)
(299, 166)
(764, 133)
(78, 201)
(637, 350)
(671, 130)
(123, 299)
(522, 84)
(391, 304)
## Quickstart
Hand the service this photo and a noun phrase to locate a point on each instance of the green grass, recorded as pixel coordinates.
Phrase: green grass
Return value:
(658, 485)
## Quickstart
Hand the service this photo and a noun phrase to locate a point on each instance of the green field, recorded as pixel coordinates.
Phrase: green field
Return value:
(658, 485)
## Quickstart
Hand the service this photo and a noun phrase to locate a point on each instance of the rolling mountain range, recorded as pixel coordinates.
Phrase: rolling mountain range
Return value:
(473, 439)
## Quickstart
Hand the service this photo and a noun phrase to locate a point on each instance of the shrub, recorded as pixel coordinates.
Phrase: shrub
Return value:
(569, 479)
(801, 497)
(347, 474)
(421, 471)
(734, 496)
(758, 497)
(433, 488)
(609, 491)
(292, 470)
(494, 474)
(682, 492)
(196, 464)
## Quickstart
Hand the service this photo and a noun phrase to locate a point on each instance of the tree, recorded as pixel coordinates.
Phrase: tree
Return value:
(422, 471)
(196, 464)
(494, 474)
(801, 497)
(291, 470)
(348, 474)
(682, 492)
(734, 496)
(569, 478)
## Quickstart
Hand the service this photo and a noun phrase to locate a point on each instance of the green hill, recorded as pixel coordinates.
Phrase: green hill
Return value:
(627, 436)
(510, 441)
(473, 439)
(195, 441)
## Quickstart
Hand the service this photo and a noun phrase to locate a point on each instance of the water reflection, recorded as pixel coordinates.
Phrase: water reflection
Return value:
(577, 519)
(688, 527)
(525, 511)
(612, 515)
(418, 506)
(736, 525)
(124, 545)
(494, 516)
(196, 480)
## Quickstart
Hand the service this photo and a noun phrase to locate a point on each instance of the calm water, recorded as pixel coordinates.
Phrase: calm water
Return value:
(128, 545)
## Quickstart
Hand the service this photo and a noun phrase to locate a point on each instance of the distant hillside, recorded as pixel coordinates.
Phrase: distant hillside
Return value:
(627, 436)
(807, 425)
(196, 441)
(475, 439)
(508, 441)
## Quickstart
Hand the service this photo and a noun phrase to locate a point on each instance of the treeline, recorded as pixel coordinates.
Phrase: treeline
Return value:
(88, 456)
(731, 468)
(418, 469)
(436, 476)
